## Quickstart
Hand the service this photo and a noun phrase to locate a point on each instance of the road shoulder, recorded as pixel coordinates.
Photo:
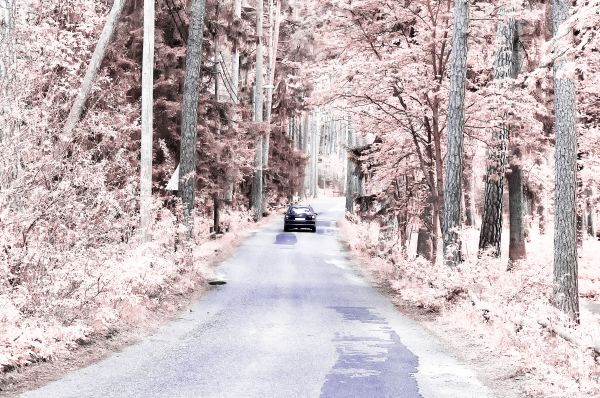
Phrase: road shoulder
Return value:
(491, 369)
(99, 347)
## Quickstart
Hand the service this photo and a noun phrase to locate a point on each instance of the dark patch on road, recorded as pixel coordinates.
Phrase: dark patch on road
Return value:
(286, 238)
(376, 364)
(362, 314)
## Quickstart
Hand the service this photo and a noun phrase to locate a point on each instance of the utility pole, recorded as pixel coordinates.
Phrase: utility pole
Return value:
(257, 194)
(235, 62)
(147, 104)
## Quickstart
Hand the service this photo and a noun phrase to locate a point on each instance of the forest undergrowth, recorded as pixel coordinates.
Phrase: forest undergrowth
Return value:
(74, 302)
(509, 313)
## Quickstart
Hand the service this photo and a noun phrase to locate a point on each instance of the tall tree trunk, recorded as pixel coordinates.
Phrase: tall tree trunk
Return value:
(456, 125)
(8, 11)
(216, 214)
(580, 211)
(217, 74)
(439, 173)
(435, 177)
(401, 189)
(467, 182)
(590, 213)
(311, 163)
(235, 79)
(350, 170)
(274, 23)
(541, 212)
(504, 68)
(315, 154)
(304, 147)
(566, 292)
(189, 112)
(9, 108)
(425, 236)
(257, 193)
(294, 132)
(529, 196)
(92, 69)
(147, 104)
(516, 250)
(216, 64)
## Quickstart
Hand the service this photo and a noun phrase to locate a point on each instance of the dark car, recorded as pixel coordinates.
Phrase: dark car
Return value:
(300, 216)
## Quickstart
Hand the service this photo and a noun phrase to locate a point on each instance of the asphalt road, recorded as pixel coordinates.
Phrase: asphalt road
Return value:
(294, 320)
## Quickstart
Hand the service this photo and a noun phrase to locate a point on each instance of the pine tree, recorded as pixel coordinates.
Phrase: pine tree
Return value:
(566, 294)
(491, 224)
(189, 111)
(456, 126)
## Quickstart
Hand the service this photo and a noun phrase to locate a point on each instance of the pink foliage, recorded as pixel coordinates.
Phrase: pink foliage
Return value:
(500, 310)
(85, 295)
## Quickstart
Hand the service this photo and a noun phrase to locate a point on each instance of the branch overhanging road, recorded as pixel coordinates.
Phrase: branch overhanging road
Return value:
(294, 320)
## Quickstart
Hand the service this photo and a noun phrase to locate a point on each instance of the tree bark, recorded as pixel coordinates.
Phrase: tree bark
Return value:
(516, 250)
(580, 210)
(439, 173)
(315, 154)
(304, 148)
(405, 185)
(257, 192)
(590, 213)
(235, 79)
(216, 214)
(467, 182)
(274, 23)
(425, 236)
(541, 212)
(189, 112)
(216, 65)
(349, 171)
(7, 44)
(9, 105)
(92, 69)
(504, 68)
(147, 105)
(456, 125)
(566, 292)
(530, 199)
(8, 10)
(435, 178)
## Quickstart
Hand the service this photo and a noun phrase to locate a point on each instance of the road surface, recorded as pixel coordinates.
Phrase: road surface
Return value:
(294, 320)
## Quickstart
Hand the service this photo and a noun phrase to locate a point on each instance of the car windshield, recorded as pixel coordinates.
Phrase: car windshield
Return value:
(300, 210)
